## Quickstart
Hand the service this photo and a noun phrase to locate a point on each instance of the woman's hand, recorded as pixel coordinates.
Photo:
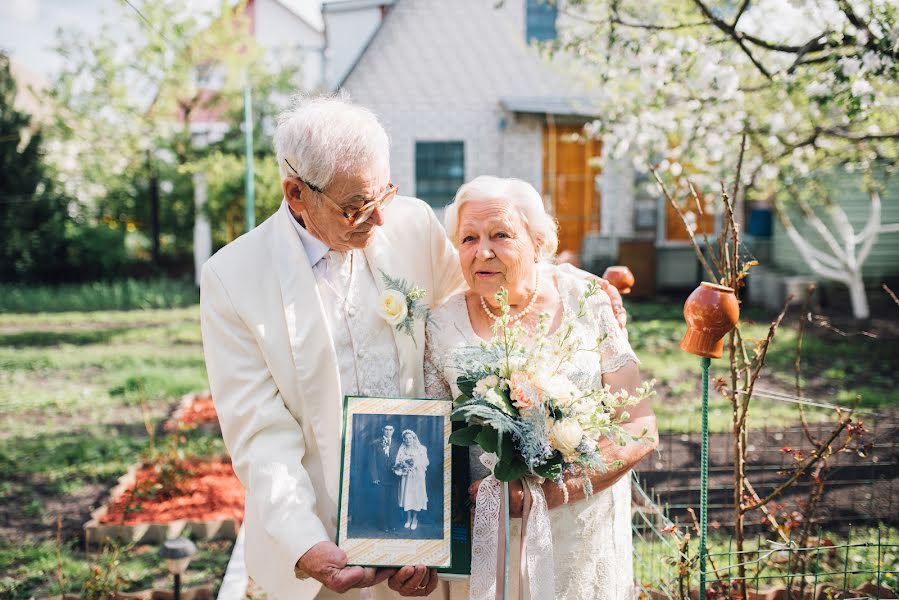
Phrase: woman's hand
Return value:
(516, 496)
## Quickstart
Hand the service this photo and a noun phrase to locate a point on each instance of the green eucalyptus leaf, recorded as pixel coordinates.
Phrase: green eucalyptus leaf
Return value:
(465, 436)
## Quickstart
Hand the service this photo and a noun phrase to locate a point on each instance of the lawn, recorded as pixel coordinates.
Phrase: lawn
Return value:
(72, 385)
(71, 389)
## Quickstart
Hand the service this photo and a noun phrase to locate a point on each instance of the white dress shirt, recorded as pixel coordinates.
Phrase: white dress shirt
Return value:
(364, 343)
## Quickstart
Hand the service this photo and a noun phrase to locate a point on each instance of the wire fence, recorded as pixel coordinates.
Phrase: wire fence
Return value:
(859, 563)
(861, 487)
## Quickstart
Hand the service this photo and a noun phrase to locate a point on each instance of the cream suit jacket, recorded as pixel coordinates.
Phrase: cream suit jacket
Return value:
(274, 377)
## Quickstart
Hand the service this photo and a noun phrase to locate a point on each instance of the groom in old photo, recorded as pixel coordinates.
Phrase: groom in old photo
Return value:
(384, 511)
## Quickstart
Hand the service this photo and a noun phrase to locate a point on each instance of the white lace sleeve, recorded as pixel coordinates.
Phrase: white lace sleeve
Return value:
(614, 350)
(435, 382)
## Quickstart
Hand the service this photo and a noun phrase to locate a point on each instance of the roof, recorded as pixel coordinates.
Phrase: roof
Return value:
(571, 106)
(305, 12)
(346, 5)
(358, 4)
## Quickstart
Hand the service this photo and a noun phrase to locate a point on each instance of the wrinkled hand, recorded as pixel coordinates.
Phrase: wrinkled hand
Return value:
(327, 563)
(617, 302)
(414, 581)
(516, 496)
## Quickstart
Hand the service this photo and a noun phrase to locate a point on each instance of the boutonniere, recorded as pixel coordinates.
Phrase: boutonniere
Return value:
(400, 304)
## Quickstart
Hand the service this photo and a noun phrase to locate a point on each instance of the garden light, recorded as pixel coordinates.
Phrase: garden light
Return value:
(620, 277)
(177, 554)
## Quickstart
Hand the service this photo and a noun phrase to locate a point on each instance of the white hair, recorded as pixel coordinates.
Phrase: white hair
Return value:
(325, 135)
(520, 195)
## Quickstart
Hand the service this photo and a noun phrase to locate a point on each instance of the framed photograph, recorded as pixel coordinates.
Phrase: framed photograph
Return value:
(396, 482)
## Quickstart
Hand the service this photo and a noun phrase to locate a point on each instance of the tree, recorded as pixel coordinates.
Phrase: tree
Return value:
(811, 83)
(32, 216)
(847, 249)
(127, 101)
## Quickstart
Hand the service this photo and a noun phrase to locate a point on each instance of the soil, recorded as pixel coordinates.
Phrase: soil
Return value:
(859, 490)
(211, 491)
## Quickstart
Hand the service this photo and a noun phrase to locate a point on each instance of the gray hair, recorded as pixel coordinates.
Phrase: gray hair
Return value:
(325, 135)
(521, 195)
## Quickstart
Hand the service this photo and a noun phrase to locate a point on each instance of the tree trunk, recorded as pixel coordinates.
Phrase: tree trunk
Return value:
(154, 216)
(859, 299)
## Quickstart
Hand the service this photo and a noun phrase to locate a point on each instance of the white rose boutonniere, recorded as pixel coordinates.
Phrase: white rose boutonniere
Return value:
(392, 307)
(400, 304)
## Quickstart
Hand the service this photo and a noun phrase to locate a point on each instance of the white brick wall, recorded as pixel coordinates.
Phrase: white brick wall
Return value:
(436, 72)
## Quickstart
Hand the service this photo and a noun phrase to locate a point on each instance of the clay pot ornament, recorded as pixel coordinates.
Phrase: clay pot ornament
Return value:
(620, 277)
(711, 312)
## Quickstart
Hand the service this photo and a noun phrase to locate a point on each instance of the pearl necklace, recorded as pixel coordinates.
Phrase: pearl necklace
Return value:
(527, 309)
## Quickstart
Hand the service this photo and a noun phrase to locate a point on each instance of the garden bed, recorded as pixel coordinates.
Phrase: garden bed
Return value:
(194, 411)
(208, 504)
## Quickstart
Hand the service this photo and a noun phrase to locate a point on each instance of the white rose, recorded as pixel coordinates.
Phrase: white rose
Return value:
(485, 384)
(567, 436)
(392, 307)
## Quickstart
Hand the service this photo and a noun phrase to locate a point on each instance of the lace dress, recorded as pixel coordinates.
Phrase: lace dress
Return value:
(592, 548)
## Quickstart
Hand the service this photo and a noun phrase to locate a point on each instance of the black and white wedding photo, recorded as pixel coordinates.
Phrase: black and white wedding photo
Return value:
(396, 477)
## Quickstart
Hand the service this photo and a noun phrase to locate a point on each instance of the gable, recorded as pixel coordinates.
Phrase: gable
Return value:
(459, 53)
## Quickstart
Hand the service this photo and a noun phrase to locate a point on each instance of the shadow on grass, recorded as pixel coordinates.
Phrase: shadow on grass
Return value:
(40, 339)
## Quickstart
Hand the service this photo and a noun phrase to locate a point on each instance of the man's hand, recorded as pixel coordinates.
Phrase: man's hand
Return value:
(413, 581)
(327, 563)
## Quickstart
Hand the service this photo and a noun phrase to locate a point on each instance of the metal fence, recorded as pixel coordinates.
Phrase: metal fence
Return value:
(858, 563)
(861, 488)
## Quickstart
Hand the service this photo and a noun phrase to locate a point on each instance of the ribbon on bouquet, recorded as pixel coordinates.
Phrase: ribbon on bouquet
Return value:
(488, 549)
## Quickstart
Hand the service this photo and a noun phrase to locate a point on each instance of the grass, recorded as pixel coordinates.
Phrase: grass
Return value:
(124, 294)
(35, 568)
(835, 369)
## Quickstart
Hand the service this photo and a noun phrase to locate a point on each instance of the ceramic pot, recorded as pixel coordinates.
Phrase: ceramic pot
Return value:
(711, 312)
(621, 277)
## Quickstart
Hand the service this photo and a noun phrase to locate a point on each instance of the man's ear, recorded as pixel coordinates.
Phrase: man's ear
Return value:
(292, 192)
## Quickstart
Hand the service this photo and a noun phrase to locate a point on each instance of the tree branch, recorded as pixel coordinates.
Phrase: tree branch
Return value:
(734, 34)
(816, 456)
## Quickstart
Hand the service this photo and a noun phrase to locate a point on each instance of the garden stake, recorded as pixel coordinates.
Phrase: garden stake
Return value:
(711, 312)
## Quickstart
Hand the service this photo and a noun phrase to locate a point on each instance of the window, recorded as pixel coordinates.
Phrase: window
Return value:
(541, 20)
(439, 171)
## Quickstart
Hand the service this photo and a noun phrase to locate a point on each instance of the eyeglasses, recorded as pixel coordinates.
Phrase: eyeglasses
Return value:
(361, 214)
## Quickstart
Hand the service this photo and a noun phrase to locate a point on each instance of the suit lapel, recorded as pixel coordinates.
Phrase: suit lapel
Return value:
(311, 345)
(408, 349)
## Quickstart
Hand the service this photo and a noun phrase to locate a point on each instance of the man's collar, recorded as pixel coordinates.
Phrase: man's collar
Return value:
(314, 247)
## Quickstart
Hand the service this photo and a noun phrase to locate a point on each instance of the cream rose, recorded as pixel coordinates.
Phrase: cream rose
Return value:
(566, 436)
(392, 307)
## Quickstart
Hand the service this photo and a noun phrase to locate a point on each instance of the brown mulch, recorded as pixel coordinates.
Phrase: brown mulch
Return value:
(211, 491)
(201, 411)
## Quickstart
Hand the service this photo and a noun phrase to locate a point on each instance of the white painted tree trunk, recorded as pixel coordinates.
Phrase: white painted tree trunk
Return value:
(847, 255)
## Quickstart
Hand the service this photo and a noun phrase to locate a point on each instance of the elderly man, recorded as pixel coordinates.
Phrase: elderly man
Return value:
(290, 326)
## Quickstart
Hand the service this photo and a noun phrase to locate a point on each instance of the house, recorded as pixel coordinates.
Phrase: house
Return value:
(463, 91)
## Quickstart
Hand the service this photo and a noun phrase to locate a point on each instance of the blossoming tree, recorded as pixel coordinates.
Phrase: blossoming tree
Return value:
(814, 85)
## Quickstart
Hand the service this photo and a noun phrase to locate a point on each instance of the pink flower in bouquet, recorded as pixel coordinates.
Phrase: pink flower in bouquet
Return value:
(524, 391)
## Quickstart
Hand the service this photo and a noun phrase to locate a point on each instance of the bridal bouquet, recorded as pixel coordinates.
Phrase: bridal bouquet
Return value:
(519, 403)
(404, 468)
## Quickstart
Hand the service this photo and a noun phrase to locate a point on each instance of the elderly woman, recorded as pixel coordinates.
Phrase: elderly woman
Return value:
(505, 239)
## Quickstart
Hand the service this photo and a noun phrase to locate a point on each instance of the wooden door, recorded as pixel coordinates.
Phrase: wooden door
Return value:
(568, 180)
